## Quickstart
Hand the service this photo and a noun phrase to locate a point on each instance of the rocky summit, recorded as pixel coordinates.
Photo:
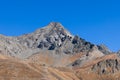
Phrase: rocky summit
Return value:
(53, 53)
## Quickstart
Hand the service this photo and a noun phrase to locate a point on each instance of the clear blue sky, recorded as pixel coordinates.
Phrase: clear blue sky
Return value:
(97, 21)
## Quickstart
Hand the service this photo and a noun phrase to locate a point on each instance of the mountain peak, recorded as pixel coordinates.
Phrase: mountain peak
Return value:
(56, 24)
(52, 26)
(58, 28)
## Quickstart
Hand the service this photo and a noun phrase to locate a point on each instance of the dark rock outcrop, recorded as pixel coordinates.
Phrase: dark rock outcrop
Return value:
(109, 66)
(103, 49)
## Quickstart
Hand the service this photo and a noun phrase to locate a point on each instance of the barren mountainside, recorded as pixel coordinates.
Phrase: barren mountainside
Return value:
(53, 53)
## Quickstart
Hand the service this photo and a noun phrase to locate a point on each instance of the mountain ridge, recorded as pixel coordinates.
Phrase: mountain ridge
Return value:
(60, 54)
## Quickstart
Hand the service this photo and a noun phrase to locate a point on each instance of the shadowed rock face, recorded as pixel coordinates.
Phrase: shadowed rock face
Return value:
(59, 55)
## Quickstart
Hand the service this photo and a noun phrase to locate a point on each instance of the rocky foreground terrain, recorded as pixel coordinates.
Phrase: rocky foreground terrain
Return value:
(53, 53)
